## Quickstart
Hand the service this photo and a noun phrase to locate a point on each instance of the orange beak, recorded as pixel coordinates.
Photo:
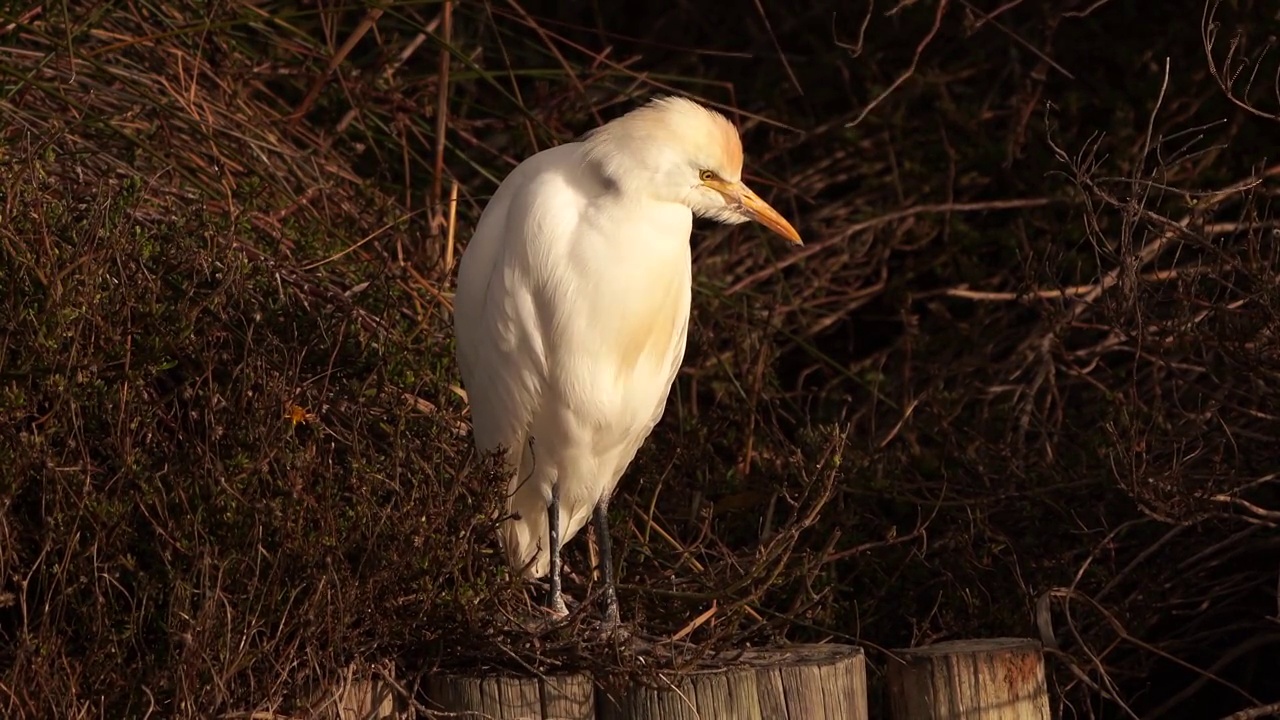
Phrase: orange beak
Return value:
(757, 209)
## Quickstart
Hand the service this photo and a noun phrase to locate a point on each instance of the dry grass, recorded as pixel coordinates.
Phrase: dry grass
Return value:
(1021, 380)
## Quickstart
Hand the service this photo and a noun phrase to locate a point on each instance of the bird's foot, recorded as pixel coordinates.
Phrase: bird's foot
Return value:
(610, 612)
(556, 604)
(624, 637)
(611, 626)
(549, 616)
(605, 630)
(539, 623)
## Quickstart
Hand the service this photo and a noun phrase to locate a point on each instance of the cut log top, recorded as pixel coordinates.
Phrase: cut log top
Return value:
(980, 645)
(992, 679)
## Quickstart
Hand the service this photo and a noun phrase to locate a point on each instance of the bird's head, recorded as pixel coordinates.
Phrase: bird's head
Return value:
(676, 150)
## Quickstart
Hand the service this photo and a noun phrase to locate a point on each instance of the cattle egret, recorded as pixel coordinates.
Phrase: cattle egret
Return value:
(572, 309)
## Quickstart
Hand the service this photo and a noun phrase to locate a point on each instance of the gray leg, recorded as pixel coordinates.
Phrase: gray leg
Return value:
(555, 600)
(601, 519)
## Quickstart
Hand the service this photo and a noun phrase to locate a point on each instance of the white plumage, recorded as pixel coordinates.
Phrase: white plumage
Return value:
(572, 310)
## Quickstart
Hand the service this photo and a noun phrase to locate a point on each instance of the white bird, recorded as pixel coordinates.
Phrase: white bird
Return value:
(572, 310)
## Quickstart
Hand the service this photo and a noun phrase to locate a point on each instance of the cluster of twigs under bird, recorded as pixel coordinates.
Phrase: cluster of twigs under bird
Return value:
(572, 311)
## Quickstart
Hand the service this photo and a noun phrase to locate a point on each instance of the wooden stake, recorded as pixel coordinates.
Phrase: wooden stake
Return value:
(796, 682)
(996, 679)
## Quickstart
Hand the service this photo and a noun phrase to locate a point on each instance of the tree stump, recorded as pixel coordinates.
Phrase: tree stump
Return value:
(360, 696)
(797, 682)
(996, 679)
(552, 697)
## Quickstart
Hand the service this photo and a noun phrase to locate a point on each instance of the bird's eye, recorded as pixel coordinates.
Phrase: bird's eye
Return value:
(707, 176)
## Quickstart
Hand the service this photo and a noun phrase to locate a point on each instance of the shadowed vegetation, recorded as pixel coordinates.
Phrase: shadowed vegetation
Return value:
(1021, 380)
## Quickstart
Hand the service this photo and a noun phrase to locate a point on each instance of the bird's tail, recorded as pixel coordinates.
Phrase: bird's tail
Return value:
(524, 534)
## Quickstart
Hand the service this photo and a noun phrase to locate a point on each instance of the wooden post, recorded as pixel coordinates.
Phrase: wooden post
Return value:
(360, 696)
(797, 682)
(552, 697)
(996, 679)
